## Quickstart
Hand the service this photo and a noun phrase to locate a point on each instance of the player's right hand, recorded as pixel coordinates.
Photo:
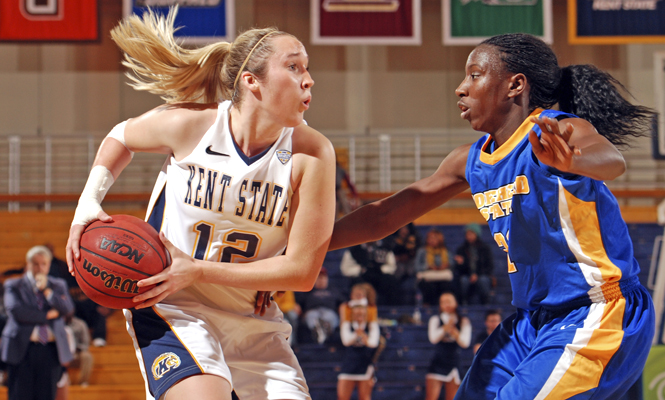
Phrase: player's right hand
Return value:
(72, 251)
(182, 272)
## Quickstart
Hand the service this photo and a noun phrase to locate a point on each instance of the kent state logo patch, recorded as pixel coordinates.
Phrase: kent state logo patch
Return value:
(163, 364)
(283, 156)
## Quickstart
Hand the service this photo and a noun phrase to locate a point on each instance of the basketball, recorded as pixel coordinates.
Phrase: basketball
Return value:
(115, 256)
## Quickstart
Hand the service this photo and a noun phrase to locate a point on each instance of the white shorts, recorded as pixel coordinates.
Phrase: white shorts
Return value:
(369, 374)
(453, 376)
(173, 342)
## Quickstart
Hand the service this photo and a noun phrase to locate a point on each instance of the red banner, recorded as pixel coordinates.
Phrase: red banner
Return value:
(365, 21)
(48, 20)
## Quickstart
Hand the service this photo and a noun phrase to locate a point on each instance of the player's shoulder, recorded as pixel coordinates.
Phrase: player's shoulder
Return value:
(306, 132)
(308, 140)
(177, 116)
(174, 124)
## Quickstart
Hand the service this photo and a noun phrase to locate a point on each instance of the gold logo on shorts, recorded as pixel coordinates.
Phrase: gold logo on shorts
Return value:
(163, 364)
(283, 155)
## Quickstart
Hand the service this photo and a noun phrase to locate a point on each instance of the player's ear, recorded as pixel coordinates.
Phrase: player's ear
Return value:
(250, 80)
(516, 85)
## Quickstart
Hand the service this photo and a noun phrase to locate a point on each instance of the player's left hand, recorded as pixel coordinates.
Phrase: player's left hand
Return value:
(553, 147)
(264, 301)
(182, 272)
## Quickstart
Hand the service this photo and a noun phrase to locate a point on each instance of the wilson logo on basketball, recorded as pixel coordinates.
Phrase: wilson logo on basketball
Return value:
(110, 280)
(163, 364)
(121, 249)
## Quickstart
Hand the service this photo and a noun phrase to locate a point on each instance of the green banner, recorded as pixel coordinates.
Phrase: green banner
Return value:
(653, 377)
(468, 22)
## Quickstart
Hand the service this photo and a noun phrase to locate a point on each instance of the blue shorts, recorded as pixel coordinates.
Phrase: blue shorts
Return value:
(591, 352)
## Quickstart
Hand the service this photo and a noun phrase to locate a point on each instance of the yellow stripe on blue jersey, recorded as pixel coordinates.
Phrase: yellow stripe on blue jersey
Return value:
(581, 365)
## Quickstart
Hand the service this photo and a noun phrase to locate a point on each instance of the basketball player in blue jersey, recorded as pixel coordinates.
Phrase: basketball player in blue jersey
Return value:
(242, 178)
(584, 324)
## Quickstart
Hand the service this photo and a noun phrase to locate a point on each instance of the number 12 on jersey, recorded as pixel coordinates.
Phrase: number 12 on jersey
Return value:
(237, 246)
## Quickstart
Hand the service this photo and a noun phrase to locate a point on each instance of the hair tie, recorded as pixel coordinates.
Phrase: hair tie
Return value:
(235, 83)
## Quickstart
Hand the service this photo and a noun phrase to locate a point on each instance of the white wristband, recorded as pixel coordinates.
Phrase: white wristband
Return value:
(99, 182)
(118, 133)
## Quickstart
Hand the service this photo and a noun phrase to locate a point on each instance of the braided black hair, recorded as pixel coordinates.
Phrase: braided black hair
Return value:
(583, 90)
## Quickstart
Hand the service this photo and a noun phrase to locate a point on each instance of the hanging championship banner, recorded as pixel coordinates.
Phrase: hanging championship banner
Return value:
(616, 21)
(200, 21)
(469, 22)
(384, 22)
(48, 20)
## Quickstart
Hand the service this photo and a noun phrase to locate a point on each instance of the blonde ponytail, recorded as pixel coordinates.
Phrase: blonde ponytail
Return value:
(207, 74)
(159, 65)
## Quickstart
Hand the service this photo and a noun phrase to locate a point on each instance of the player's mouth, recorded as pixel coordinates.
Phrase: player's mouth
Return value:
(465, 109)
(306, 102)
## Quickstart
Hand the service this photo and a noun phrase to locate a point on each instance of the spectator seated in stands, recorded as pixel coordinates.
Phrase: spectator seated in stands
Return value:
(362, 339)
(433, 266)
(320, 308)
(373, 263)
(492, 320)
(92, 313)
(404, 244)
(78, 334)
(474, 267)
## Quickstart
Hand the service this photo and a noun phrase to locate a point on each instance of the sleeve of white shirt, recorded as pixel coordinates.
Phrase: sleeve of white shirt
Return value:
(374, 336)
(349, 267)
(435, 329)
(390, 266)
(464, 339)
(346, 333)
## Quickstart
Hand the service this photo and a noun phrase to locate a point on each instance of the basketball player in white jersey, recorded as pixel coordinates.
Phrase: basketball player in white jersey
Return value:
(244, 177)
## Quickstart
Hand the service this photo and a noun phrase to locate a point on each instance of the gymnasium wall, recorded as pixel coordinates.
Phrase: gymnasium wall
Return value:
(62, 89)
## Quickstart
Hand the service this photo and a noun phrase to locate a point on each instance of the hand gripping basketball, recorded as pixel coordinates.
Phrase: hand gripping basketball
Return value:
(183, 271)
(115, 256)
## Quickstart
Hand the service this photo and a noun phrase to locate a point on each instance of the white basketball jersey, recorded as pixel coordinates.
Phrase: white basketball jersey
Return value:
(220, 205)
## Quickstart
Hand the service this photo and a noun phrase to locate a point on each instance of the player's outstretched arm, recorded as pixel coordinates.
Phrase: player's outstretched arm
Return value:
(379, 219)
(573, 145)
(168, 129)
(112, 156)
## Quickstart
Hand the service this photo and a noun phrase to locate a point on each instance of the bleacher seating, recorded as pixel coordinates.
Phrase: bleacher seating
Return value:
(401, 368)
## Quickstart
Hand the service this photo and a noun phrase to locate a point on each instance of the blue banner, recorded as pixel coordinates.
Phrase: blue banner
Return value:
(616, 21)
(200, 22)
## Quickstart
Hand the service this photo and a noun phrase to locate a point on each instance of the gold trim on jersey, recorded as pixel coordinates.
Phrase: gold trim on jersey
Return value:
(515, 139)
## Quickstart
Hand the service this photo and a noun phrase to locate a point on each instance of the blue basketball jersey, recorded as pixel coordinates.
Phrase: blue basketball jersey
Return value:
(563, 234)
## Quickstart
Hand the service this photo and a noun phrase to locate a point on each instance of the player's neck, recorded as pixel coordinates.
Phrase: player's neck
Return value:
(514, 118)
(252, 131)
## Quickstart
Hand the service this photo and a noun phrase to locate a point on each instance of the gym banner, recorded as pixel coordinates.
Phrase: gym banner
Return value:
(616, 21)
(469, 22)
(48, 20)
(200, 21)
(359, 22)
